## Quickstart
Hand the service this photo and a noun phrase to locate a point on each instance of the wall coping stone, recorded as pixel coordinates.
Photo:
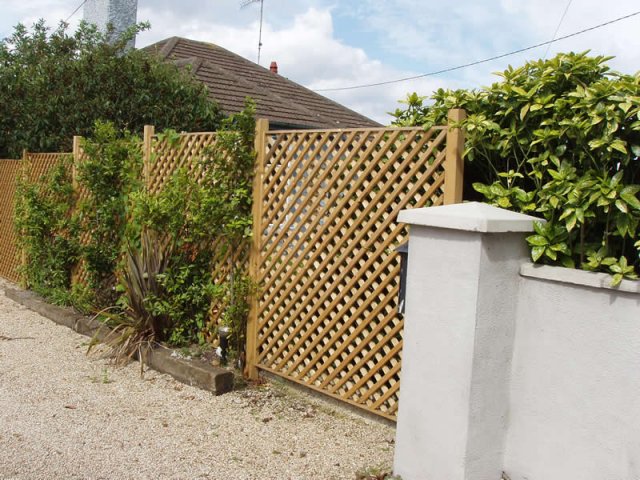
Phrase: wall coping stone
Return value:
(471, 216)
(577, 277)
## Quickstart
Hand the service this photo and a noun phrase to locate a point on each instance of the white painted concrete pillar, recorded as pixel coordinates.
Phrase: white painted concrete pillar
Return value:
(462, 283)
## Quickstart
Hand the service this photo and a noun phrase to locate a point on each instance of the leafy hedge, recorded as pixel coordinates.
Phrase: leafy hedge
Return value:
(558, 138)
(54, 85)
(148, 256)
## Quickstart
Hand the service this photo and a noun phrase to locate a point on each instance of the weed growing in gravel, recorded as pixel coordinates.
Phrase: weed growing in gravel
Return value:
(378, 472)
(105, 376)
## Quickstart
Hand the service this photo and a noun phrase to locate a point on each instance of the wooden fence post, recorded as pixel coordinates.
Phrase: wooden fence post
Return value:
(23, 253)
(454, 163)
(76, 158)
(251, 370)
(149, 132)
(77, 154)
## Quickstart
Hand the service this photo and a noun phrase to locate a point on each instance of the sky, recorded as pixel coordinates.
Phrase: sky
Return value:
(325, 44)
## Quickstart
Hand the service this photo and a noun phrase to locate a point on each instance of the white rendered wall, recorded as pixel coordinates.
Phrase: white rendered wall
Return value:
(533, 371)
(458, 335)
(575, 386)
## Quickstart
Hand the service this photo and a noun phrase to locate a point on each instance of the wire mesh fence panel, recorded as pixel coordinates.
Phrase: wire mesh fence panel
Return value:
(327, 309)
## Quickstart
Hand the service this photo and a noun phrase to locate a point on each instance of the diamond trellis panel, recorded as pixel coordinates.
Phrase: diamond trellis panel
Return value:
(9, 255)
(327, 310)
(166, 159)
(41, 163)
(37, 165)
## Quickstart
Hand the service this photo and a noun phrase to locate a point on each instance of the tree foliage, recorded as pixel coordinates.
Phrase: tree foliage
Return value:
(559, 138)
(56, 84)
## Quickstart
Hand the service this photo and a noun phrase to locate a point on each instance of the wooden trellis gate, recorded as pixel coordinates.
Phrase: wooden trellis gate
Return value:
(325, 208)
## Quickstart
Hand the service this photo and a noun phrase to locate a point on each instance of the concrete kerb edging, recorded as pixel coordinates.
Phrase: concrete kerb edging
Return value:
(196, 373)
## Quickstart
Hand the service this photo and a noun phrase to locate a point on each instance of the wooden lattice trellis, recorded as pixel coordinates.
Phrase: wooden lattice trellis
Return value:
(9, 255)
(162, 159)
(39, 164)
(33, 166)
(324, 239)
(325, 204)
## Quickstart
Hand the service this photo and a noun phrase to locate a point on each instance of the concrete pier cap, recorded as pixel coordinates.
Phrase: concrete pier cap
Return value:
(462, 277)
(471, 217)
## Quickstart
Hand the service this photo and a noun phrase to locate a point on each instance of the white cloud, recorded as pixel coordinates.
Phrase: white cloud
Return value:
(620, 39)
(404, 37)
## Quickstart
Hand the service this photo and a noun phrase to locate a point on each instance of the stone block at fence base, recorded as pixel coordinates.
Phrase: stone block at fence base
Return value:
(458, 338)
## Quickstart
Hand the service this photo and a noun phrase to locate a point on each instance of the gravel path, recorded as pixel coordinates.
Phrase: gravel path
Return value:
(64, 415)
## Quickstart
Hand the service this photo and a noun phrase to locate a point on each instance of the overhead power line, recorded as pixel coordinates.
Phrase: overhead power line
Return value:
(564, 14)
(75, 11)
(478, 62)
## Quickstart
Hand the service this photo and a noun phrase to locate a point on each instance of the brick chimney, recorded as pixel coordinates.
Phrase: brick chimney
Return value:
(120, 13)
(273, 67)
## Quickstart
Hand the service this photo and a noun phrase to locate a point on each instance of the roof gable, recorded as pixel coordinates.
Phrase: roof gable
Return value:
(231, 78)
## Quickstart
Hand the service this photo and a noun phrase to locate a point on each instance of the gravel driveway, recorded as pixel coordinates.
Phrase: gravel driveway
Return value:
(64, 415)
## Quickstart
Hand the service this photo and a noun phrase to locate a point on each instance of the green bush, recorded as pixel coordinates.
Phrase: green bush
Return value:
(192, 212)
(559, 138)
(109, 173)
(47, 232)
(148, 256)
(54, 85)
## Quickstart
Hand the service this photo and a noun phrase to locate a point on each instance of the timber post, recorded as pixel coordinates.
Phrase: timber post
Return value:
(454, 163)
(149, 132)
(77, 154)
(251, 370)
(77, 139)
(23, 172)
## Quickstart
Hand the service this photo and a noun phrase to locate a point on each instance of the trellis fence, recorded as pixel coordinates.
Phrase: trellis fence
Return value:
(325, 230)
(324, 234)
(32, 166)
(160, 161)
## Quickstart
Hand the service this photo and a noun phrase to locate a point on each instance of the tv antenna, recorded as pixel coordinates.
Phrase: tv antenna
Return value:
(246, 3)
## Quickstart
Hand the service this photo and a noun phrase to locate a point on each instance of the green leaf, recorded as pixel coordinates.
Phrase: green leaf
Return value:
(622, 206)
(622, 224)
(616, 279)
(504, 202)
(628, 194)
(537, 240)
(619, 145)
(536, 253)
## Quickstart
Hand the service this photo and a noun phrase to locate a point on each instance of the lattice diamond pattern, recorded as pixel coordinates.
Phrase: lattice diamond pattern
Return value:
(9, 255)
(327, 312)
(166, 159)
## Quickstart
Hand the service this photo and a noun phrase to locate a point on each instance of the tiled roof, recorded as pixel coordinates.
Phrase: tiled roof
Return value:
(230, 78)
